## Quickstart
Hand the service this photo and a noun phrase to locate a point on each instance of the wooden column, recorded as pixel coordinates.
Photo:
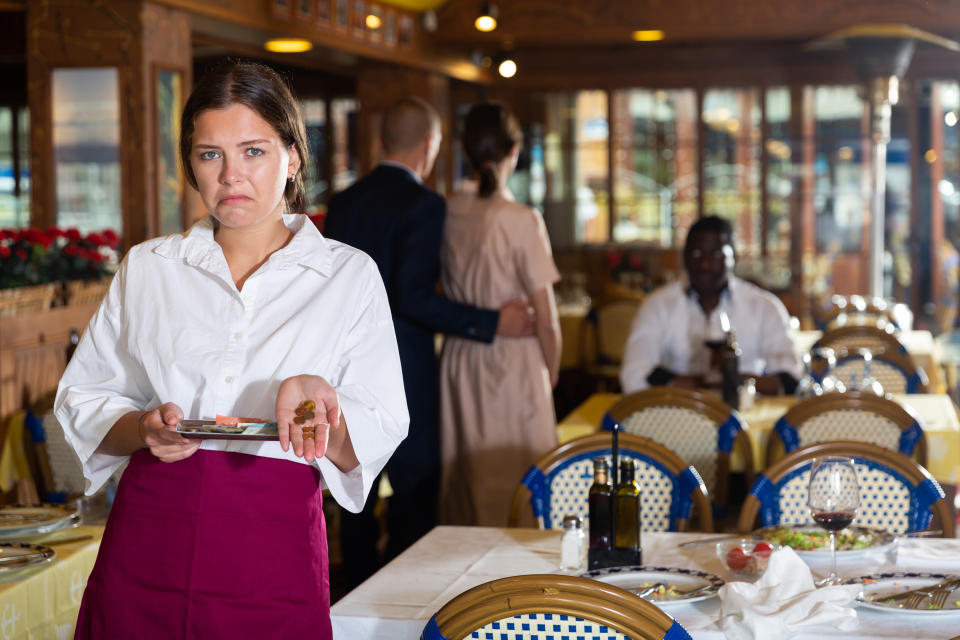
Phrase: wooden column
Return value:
(132, 36)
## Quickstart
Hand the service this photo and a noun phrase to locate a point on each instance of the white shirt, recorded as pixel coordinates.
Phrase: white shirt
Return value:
(670, 329)
(174, 328)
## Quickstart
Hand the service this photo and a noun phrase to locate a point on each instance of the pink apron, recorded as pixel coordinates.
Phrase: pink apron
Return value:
(220, 545)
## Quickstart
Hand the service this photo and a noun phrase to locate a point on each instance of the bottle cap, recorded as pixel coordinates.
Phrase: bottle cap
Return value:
(572, 522)
(600, 462)
(628, 464)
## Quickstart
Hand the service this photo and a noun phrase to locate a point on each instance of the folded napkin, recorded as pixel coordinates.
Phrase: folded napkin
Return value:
(932, 554)
(784, 600)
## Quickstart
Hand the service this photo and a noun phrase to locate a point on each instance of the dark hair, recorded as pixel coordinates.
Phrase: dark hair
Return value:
(714, 224)
(489, 134)
(406, 123)
(260, 89)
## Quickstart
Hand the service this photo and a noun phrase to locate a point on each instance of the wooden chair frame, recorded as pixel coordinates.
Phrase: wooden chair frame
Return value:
(582, 598)
(913, 441)
(919, 477)
(706, 404)
(600, 443)
(857, 304)
(850, 336)
(593, 358)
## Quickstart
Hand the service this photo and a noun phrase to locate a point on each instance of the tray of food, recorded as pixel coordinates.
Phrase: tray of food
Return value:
(229, 428)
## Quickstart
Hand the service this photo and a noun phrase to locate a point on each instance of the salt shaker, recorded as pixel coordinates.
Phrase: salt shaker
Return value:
(572, 544)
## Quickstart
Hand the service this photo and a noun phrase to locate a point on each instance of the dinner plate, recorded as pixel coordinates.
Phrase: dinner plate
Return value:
(637, 578)
(17, 556)
(880, 584)
(878, 540)
(19, 520)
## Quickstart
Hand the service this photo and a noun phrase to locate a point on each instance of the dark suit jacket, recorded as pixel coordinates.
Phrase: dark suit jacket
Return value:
(399, 223)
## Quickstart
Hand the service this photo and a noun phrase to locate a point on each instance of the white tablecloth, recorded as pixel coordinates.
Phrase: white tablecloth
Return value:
(396, 602)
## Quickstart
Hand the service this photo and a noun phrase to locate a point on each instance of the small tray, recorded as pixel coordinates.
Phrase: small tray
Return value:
(210, 430)
(30, 520)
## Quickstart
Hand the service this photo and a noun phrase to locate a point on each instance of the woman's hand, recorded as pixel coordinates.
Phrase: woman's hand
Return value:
(292, 394)
(157, 430)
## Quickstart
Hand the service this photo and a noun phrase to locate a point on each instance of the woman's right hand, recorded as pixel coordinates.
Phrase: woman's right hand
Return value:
(157, 430)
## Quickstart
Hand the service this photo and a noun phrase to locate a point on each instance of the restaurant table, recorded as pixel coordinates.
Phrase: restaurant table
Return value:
(936, 411)
(396, 602)
(43, 603)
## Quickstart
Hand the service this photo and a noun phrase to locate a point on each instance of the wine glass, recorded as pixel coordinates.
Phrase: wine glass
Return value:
(833, 497)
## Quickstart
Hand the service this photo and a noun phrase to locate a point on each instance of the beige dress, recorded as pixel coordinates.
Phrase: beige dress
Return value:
(496, 404)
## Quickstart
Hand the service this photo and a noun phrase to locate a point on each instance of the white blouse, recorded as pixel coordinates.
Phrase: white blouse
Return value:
(174, 328)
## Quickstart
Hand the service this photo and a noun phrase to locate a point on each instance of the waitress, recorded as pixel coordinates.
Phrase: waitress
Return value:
(251, 312)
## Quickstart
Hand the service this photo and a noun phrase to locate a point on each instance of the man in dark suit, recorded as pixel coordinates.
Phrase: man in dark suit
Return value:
(390, 215)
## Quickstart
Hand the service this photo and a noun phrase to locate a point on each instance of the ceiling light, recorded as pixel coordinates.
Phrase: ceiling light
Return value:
(373, 21)
(647, 35)
(507, 68)
(487, 20)
(288, 45)
(950, 118)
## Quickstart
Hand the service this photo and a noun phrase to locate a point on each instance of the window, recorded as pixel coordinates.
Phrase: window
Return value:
(314, 114)
(655, 165)
(14, 167)
(86, 133)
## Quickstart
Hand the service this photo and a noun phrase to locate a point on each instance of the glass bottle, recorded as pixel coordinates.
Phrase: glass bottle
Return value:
(601, 506)
(730, 370)
(572, 544)
(627, 514)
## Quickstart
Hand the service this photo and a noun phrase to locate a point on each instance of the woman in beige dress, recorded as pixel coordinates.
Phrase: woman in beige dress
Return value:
(496, 403)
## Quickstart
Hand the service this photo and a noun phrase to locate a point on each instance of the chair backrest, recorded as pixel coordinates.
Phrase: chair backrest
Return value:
(529, 607)
(896, 372)
(852, 415)
(559, 483)
(697, 426)
(855, 310)
(606, 329)
(852, 337)
(896, 493)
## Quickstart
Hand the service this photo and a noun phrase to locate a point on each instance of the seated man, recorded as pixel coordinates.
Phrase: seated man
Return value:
(667, 343)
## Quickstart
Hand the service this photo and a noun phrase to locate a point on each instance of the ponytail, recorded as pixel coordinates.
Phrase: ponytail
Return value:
(489, 135)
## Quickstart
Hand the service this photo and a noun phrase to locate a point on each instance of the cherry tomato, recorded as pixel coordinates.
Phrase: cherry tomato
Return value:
(763, 549)
(736, 559)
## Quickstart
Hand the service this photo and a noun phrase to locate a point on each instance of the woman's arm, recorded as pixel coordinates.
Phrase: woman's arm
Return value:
(153, 429)
(548, 330)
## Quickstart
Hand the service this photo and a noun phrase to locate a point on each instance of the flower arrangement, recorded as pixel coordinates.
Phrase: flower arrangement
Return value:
(32, 256)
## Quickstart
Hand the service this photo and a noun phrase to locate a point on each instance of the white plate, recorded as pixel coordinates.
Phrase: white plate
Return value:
(636, 578)
(896, 582)
(20, 520)
(881, 541)
(16, 557)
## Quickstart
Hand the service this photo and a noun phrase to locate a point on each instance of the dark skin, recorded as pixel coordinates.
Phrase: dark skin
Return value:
(708, 258)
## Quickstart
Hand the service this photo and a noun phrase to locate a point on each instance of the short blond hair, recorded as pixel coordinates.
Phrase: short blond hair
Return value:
(407, 123)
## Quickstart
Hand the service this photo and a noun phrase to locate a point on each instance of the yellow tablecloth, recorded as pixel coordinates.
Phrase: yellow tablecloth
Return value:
(936, 411)
(44, 604)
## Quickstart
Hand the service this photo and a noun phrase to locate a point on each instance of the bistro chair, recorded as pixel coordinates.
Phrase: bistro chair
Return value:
(853, 337)
(558, 484)
(695, 425)
(896, 493)
(853, 415)
(896, 372)
(529, 607)
(854, 310)
(603, 339)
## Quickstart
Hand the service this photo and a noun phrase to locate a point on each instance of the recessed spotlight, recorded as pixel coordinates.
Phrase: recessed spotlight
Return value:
(373, 21)
(487, 20)
(507, 68)
(647, 35)
(288, 45)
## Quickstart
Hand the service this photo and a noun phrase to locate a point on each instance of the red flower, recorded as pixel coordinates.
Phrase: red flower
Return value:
(71, 249)
(636, 262)
(4, 251)
(21, 253)
(613, 258)
(95, 239)
(73, 235)
(55, 232)
(111, 237)
(94, 256)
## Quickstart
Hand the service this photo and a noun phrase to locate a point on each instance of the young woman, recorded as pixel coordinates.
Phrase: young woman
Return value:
(496, 402)
(250, 312)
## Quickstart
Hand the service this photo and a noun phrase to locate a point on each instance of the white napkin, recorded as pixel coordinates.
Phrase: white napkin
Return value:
(933, 554)
(784, 600)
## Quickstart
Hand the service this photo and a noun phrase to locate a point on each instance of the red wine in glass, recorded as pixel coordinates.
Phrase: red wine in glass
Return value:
(833, 520)
(833, 496)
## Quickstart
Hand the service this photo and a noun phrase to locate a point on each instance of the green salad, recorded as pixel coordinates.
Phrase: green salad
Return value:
(811, 540)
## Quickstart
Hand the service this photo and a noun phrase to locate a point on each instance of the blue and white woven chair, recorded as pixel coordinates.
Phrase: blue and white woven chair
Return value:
(896, 372)
(536, 607)
(697, 426)
(896, 493)
(855, 310)
(853, 337)
(853, 415)
(558, 484)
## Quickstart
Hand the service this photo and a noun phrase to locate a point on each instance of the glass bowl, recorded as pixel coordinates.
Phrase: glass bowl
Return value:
(745, 558)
